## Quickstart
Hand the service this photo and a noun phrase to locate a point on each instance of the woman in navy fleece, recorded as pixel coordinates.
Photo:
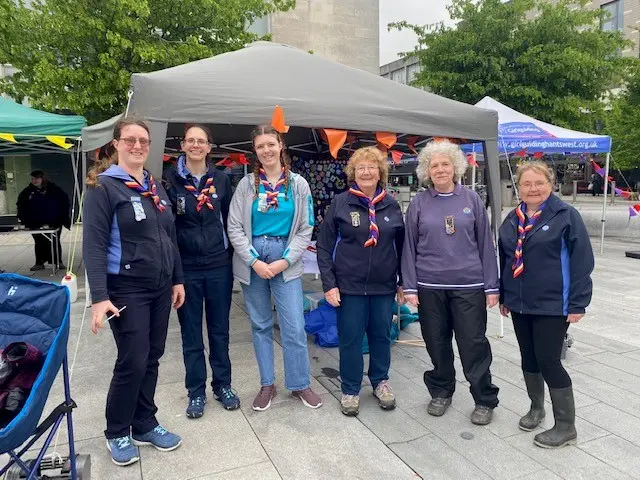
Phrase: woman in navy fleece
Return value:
(132, 260)
(450, 273)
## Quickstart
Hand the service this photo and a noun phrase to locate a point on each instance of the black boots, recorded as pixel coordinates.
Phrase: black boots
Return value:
(535, 389)
(564, 413)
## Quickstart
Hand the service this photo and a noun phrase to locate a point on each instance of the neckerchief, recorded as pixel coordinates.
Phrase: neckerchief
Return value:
(272, 192)
(374, 232)
(203, 196)
(524, 227)
(151, 192)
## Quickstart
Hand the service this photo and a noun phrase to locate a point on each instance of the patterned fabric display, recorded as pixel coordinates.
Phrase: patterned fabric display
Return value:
(523, 228)
(151, 192)
(272, 192)
(202, 196)
(374, 232)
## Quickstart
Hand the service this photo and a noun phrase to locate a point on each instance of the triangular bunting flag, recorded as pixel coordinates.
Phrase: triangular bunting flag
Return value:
(397, 156)
(538, 155)
(471, 160)
(8, 137)
(335, 139)
(239, 158)
(60, 141)
(521, 153)
(387, 139)
(411, 143)
(277, 120)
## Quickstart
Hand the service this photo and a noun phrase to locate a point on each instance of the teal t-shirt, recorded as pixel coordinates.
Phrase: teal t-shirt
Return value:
(272, 223)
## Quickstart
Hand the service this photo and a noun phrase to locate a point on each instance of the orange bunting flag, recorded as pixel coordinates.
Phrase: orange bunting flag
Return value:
(335, 139)
(471, 160)
(538, 155)
(277, 120)
(225, 162)
(167, 158)
(397, 156)
(411, 143)
(387, 139)
(521, 153)
(239, 158)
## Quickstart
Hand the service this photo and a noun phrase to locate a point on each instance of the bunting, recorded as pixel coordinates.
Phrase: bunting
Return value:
(411, 143)
(387, 139)
(59, 141)
(277, 120)
(634, 210)
(8, 137)
(397, 156)
(471, 160)
(335, 138)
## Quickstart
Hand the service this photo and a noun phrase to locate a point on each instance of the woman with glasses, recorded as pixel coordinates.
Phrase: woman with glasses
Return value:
(450, 273)
(270, 224)
(200, 195)
(546, 261)
(359, 251)
(135, 276)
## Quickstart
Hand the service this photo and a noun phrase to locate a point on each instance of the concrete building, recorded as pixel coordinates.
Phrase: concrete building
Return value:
(403, 70)
(345, 31)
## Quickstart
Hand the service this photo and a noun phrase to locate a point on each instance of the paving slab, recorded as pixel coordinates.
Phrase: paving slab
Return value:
(616, 451)
(613, 420)
(262, 471)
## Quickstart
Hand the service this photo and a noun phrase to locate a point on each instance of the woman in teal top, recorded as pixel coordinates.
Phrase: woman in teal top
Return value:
(270, 224)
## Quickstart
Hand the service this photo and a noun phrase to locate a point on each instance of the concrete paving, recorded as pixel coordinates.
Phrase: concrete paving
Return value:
(290, 441)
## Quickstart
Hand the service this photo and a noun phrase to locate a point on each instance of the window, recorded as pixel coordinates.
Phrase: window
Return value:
(398, 76)
(412, 71)
(614, 20)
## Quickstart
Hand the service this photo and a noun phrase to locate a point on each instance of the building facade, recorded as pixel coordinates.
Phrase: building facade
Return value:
(345, 31)
(403, 70)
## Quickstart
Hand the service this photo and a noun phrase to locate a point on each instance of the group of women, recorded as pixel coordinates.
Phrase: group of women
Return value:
(151, 245)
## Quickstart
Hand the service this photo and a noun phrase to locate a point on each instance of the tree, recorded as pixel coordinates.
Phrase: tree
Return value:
(623, 122)
(548, 60)
(79, 55)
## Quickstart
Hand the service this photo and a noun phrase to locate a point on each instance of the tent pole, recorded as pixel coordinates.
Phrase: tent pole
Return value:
(473, 173)
(604, 203)
(129, 95)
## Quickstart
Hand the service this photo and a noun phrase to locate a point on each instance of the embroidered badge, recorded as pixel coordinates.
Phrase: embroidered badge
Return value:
(467, 210)
(545, 228)
(386, 219)
(355, 219)
(449, 225)
(181, 205)
(138, 209)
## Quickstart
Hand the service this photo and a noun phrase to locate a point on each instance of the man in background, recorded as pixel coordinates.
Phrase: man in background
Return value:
(44, 205)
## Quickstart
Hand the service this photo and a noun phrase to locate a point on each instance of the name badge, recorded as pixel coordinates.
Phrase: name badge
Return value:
(355, 219)
(262, 203)
(181, 205)
(138, 209)
(449, 225)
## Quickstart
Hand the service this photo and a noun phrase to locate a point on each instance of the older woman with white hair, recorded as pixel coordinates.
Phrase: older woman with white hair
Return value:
(450, 273)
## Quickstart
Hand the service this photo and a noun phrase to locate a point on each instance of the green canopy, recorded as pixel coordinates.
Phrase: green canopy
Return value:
(24, 130)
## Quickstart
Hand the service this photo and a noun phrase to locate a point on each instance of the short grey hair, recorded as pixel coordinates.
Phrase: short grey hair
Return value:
(443, 147)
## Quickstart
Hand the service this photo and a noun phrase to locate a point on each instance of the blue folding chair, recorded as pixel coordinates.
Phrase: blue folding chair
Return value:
(37, 313)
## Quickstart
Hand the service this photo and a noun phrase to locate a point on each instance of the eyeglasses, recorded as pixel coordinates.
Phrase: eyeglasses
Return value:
(366, 168)
(131, 142)
(529, 186)
(201, 142)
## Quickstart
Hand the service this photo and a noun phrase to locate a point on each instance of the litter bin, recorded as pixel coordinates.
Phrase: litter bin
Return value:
(507, 193)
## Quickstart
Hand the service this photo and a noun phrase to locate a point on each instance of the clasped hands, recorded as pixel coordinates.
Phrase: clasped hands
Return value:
(269, 270)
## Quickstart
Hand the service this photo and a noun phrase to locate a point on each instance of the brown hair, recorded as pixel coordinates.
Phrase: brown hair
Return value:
(538, 167)
(368, 153)
(285, 160)
(202, 127)
(102, 164)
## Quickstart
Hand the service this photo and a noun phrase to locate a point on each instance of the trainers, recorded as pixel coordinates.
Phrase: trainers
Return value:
(195, 409)
(482, 415)
(384, 394)
(227, 397)
(160, 438)
(438, 405)
(263, 400)
(308, 397)
(37, 266)
(350, 405)
(122, 451)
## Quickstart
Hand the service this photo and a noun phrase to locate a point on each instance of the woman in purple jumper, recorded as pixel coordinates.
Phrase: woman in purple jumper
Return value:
(450, 273)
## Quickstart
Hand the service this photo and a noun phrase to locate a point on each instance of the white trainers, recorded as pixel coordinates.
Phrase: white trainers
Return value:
(350, 405)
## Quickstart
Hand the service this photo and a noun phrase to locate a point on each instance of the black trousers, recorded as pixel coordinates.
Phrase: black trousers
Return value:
(140, 334)
(463, 311)
(540, 338)
(43, 248)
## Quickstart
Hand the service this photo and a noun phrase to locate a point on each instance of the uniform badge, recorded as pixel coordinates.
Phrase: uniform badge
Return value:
(386, 219)
(545, 228)
(467, 210)
(181, 205)
(138, 209)
(449, 225)
(355, 219)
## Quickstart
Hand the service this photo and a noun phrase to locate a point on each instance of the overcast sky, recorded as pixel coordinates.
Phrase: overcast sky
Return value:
(414, 11)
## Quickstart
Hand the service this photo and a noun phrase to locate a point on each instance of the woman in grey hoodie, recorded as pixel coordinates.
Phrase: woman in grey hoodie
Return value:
(270, 224)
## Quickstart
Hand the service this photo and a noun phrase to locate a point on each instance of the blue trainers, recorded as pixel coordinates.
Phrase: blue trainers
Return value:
(122, 451)
(227, 397)
(160, 438)
(195, 409)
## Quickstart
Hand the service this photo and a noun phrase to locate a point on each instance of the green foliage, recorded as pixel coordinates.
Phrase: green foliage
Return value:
(623, 122)
(550, 61)
(79, 54)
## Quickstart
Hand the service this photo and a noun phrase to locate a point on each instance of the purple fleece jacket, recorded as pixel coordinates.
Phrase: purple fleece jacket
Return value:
(434, 259)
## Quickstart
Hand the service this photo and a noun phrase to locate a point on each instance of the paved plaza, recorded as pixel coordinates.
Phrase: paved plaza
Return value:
(290, 441)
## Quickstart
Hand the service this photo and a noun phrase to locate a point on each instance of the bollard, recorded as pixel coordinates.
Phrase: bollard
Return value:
(613, 193)
(575, 190)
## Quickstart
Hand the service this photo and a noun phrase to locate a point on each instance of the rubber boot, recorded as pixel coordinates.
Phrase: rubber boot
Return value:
(564, 412)
(535, 389)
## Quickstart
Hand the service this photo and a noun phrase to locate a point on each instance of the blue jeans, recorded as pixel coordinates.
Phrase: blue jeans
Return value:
(289, 305)
(214, 287)
(358, 314)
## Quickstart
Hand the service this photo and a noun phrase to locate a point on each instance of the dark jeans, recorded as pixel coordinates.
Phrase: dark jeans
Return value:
(213, 287)
(140, 333)
(358, 314)
(540, 338)
(43, 248)
(464, 311)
